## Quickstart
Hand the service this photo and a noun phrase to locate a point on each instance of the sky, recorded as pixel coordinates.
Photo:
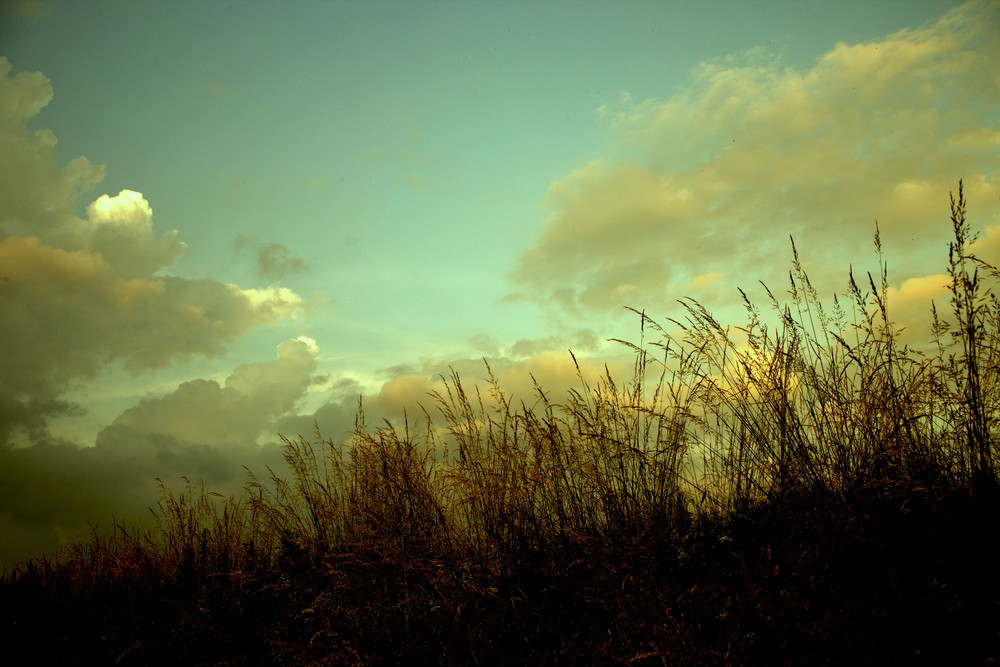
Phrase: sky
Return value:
(221, 221)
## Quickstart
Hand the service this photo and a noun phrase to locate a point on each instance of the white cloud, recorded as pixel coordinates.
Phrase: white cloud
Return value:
(121, 230)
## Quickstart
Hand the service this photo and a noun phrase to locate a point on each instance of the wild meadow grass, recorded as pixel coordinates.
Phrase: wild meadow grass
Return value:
(803, 488)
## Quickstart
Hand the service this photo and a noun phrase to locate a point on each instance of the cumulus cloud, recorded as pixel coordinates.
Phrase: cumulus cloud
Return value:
(38, 193)
(703, 189)
(233, 414)
(79, 293)
(67, 315)
(83, 292)
(120, 229)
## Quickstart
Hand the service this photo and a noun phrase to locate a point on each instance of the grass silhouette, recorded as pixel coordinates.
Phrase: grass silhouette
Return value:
(804, 489)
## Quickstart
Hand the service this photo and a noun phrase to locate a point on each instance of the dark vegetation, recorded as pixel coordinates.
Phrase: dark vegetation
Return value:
(807, 492)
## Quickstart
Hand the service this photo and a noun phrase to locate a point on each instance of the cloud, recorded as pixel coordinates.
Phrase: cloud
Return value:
(274, 260)
(80, 294)
(703, 189)
(51, 492)
(67, 315)
(209, 431)
(83, 293)
(120, 229)
(911, 303)
(402, 390)
(38, 193)
(233, 414)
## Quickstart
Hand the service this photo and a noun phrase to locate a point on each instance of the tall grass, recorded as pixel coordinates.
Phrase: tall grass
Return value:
(801, 488)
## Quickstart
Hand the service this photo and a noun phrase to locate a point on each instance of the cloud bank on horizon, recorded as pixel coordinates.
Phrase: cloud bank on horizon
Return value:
(687, 200)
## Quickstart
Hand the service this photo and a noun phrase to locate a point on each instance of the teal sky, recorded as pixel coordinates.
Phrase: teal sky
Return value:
(413, 185)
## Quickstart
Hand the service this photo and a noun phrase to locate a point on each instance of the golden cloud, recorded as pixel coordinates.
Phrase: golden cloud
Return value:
(714, 180)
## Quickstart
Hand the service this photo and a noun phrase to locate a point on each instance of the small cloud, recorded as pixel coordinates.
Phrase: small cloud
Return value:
(515, 297)
(274, 261)
(582, 341)
(704, 280)
(485, 344)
